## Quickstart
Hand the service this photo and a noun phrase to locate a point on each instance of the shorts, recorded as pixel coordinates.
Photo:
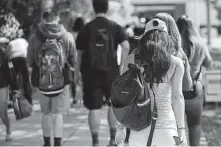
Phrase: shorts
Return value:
(97, 84)
(4, 98)
(56, 105)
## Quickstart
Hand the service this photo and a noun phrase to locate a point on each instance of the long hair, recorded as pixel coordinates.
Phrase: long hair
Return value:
(78, 24)
(172, 31)
(189, 34)
(154, 55)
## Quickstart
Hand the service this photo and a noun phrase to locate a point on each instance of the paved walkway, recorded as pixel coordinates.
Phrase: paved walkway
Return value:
(28, 132)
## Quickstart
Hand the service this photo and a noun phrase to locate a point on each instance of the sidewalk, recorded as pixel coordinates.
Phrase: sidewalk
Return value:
(28, 132)
(76, 131)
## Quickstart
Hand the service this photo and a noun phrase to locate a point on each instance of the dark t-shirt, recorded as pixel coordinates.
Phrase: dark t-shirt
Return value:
(82, 41)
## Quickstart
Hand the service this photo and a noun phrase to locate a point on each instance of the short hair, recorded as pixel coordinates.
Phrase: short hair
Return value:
(100, 6)
(50, 16)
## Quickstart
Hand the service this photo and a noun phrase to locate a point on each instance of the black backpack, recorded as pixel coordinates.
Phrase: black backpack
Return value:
(101, 48)
(131, 101)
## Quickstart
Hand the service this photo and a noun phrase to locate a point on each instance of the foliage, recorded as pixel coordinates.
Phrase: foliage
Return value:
(217, 6)
(25, 11)
(10, 27)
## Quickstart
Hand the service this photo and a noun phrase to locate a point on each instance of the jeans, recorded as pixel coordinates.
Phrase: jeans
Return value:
(193, 109)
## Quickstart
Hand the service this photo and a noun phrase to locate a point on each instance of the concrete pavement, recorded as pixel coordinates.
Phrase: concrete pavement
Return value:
(28, 132)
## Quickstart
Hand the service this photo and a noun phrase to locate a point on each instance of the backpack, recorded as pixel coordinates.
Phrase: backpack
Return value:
(131, 101)
(101, 49)
(51, 81)
(22, 107)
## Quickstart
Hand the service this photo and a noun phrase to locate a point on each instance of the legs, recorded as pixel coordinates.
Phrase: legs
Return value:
(94, 123)
(96, 85)
(52, 119)
(112, 121)
(6, 121)
(194, 109)
(193, 121)
(73, 91)
(4, 112)
(58, 129)
(47, 128)
(52, 122)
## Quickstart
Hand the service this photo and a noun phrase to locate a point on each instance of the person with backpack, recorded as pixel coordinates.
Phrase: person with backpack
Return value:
(161, 76)
(198, 56)
(16, 52)
(4, 89)
(97, 49)
(52, 57)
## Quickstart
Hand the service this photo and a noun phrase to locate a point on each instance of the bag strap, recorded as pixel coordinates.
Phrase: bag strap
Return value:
(13, 84)
(154, 114)
(153, 123)
(198, 75)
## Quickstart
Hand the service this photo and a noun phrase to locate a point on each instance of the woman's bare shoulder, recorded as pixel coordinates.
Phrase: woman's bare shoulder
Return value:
(176, 61)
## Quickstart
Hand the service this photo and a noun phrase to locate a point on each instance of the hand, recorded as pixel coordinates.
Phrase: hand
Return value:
(15, 95)
(182, 135)
(120, 137)
(77, 77)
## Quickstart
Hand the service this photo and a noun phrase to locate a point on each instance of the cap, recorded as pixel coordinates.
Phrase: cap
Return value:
(156, 24)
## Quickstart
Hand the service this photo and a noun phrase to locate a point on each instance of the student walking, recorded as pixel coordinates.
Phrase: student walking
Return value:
(52, 55)
(16, 52)
(4, 89)
(97, 44)
(76, 28)
(198, 56)
(163, 73)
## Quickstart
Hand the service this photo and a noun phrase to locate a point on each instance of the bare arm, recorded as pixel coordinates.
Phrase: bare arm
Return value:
(72, 51)
(187, 79)
(208, 59)
(178, 102)
(125, 51)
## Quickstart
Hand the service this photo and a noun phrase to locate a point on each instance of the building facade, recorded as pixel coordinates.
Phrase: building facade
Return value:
(196, 9)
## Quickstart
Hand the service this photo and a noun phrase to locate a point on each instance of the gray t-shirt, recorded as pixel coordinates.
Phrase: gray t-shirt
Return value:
(200, 56)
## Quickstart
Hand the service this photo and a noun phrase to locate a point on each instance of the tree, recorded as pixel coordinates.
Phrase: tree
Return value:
(217, 6)
(25, 11)
(28, 12)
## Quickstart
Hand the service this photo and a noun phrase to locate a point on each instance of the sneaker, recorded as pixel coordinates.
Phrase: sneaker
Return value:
(8, 137)
(112, 143)
(95, 143)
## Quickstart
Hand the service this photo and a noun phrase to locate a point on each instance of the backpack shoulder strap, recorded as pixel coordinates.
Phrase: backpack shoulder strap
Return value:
(154, 120)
